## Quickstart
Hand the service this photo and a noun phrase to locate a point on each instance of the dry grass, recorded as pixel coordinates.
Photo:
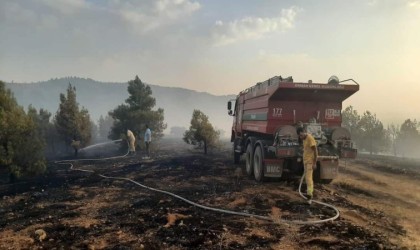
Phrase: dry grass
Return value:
(399, 199)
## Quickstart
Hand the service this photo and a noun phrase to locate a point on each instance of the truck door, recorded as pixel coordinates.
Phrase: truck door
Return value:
(239, 109)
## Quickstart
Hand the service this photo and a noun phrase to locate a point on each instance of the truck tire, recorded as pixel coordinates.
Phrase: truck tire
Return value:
(236, 155)
(249, 161)
(258, 164)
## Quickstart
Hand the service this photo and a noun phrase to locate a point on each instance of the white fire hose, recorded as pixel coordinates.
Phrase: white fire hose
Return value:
(261, 217)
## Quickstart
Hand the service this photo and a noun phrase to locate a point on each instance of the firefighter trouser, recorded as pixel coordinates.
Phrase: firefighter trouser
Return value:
(148, 148)
(308, 178)
(132, 147)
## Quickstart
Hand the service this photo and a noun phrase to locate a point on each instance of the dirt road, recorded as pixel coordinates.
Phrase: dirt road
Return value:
(379, 203)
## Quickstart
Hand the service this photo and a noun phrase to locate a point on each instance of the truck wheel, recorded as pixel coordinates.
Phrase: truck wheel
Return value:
(258, 164)
(249, 160)
(236, 155)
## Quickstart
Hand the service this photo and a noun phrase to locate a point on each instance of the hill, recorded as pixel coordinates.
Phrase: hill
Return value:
(101, 97)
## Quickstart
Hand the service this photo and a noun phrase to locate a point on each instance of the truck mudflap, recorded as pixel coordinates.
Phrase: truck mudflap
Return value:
(273, 167)
(348, 153)
(328, 167)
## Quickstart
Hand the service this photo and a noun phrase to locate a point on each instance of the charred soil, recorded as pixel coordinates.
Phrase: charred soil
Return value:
(81, 210)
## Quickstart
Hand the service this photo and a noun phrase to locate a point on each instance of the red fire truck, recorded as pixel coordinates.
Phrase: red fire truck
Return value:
(266, 118)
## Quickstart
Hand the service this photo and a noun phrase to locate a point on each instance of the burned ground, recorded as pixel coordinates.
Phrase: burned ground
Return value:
(80, 210)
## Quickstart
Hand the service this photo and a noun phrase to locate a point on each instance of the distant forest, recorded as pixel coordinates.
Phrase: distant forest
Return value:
(101, 97)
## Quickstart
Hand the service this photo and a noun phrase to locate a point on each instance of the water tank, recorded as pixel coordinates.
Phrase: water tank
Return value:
(333, 80)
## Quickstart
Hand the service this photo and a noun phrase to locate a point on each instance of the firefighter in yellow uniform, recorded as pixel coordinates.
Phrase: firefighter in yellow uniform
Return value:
(131, 140)
(310, 155)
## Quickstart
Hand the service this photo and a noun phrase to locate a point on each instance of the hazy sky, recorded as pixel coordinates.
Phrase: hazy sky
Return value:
(221, 47)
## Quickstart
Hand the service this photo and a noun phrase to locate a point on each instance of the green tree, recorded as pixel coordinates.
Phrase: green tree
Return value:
(84, 126)
(393, 132)
(137, 112)
(104, 127)
(71, 122)
(351, 121)
(408, 139)
(201, 131)
(21, 149)
(49, 132)
(42, 119)
(373, 135)
(94, 132)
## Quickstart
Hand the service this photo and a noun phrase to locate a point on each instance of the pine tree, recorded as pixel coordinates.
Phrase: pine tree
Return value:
(201, 131)
(21, 148)
(408, 138)
(373, 136)
(393, 132)
(137, 112)
(104, 127)
(70, 122)
(351, 121)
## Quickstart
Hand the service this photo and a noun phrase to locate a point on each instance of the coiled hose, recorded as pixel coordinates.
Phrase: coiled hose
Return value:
(219, 210)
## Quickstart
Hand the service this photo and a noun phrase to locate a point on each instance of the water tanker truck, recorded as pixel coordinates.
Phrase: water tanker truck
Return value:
(267, 115)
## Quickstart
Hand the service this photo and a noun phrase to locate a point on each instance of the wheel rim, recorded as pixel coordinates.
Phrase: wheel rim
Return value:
(248, 163)
(258, 164)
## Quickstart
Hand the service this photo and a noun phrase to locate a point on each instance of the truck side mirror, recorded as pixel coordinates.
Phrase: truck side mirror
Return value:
(229, 106)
